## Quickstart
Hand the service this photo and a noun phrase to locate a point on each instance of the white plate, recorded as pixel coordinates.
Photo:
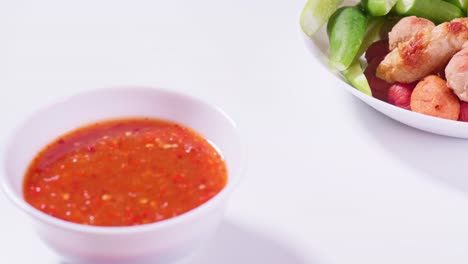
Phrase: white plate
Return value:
(318, 45)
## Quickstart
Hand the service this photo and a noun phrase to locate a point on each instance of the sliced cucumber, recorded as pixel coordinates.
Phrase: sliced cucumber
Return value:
(316, 13)
(373, 33)
(437, 11)
(355, 76)
(346, 29)
(378, 7)
(463, 4)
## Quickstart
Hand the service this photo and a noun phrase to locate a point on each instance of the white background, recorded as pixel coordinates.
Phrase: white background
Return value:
(329, 180)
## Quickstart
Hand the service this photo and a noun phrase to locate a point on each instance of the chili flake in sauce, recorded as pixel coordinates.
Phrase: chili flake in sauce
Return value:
(124, 172)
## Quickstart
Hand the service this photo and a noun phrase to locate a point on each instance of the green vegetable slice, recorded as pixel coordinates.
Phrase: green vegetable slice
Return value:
(378, 7)
(346, 29)
(316, 13)
(355, 76)
(437, 11)
(463, 4)
(373, 33)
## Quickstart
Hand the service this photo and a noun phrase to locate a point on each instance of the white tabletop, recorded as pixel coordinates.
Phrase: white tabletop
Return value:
(329, 180)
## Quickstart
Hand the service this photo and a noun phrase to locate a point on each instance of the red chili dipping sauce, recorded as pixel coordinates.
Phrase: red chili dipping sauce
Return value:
(124, 172)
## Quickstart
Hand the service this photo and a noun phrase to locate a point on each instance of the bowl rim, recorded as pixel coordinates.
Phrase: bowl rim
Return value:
(122, 230)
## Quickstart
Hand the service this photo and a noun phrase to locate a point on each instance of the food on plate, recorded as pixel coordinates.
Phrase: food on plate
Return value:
(377, 49)
(355, 76)
(456, 73)
(419, 59)
(378, 7)
(346, 29)
(378, 86)
(463, 4)
(433, 97)
(354, 73)
(124, 172)
(316, 13)
(463, 112)
(426, 52)
(399, 94)
(405, 29)
(462, 20)
(437, 11)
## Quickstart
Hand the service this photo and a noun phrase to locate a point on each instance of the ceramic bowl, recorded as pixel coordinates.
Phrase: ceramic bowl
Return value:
(161, 242)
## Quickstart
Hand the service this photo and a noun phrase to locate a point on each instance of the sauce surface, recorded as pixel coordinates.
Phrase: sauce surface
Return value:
(124, 172)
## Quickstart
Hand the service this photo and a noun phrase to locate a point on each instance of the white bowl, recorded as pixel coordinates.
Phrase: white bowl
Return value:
(161, 242)
(318, 45)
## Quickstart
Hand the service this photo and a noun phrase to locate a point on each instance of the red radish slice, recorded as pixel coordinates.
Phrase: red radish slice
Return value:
(378, 86)
(377, 49)
(399, 94)
(463, 112)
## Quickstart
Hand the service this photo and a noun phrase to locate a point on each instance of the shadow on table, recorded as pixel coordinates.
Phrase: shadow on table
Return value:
(438, 157)
(234, 244)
